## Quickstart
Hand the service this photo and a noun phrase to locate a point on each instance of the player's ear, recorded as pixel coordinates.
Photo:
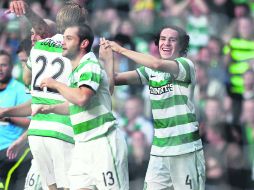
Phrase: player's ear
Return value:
(84, 43)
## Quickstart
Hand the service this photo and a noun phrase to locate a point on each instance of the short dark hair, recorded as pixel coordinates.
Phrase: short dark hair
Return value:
(184, 38)
(3, 52)
(85, 32)
(25, 45)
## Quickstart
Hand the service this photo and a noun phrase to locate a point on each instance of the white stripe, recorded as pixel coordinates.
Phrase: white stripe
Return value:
(52, 126)
(90, 68)
(176, 150)
(177, 130)
(47, 95)
(170, 112)
(92, 84)
(85, 136)
(177, 90)
(90, 55)
(88, 115)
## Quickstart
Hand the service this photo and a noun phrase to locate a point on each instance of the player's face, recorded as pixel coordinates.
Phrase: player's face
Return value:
(168, 44)
(71, 43)
(35, 37)
(5, 68)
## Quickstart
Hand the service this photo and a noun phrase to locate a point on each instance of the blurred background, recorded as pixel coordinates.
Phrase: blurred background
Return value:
(222, 48)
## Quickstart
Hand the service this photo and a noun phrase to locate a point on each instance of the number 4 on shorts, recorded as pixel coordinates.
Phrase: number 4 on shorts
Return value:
(188, 181)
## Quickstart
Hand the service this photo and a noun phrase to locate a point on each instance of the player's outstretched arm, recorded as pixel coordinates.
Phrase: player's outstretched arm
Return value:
(22, 110)
(62, 109)
(79, 96)
(146, 60)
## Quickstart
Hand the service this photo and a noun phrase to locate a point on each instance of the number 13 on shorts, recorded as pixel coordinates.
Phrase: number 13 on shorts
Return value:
(108, 178)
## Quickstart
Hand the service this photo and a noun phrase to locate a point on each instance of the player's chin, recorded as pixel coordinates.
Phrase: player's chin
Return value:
(64, 53)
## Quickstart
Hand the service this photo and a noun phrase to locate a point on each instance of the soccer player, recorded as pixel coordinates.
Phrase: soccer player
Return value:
(50, 136)
(176, 160)
(100, 153)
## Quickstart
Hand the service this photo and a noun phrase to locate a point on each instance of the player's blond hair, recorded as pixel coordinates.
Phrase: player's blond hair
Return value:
(71, 13)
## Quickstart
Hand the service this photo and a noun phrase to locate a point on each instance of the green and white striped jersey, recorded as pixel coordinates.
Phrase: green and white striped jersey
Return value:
(46, 60)
(94, 119)
(175, 124)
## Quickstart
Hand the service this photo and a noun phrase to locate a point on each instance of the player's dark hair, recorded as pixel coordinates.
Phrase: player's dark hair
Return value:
(85, 32)
(183, 38)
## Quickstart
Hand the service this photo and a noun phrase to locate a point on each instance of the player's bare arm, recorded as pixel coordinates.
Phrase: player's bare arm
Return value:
(79, 96)
(146, 60)
(22, 110)
(20, 7)
(106, 59)
(62, 109)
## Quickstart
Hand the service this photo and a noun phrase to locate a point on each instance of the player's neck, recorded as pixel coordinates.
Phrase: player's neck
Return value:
(76, 61)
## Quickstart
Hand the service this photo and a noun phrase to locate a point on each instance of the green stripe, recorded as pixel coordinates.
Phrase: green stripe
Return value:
(49, 133)
(169, 102)
(64, 119)
(143, 72)
(156, 84)
(174, 121)
(186, 67)
(93, 123)
(41, 46)
(237, 80)
(241, 55)
(238, 68)
(47, 101)
(176, 140)
(236, 43)
(87, 76)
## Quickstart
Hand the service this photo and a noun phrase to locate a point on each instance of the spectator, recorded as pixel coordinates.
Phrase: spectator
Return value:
(12, 93)
(135, 120)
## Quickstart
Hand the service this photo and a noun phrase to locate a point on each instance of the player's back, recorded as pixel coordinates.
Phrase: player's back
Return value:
(45, 61)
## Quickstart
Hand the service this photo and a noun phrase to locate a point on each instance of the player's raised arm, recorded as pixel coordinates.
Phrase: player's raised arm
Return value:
(21, 8)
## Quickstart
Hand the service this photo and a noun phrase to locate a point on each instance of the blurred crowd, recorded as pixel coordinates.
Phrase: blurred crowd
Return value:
(222, 48)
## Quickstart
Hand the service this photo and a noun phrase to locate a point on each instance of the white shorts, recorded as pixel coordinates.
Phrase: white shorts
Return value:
(33, 180)
(185, 172)
(101, 163)
(53, 158)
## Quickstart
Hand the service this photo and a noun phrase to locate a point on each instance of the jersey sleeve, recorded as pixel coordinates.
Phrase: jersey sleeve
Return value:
(90, 75)
(185, 70)
(144, 77)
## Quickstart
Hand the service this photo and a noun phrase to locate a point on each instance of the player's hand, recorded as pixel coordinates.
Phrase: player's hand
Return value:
(105, 52)
(39, 108)
(115, 47)
(2, 110)
(48, 82)
(14, 149)
(19, 7)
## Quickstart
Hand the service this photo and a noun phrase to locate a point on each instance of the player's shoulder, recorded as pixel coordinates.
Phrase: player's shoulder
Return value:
(55, 40)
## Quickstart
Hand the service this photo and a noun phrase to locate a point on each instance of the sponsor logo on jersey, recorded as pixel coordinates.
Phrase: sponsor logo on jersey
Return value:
(161, 90)
(51, 43)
